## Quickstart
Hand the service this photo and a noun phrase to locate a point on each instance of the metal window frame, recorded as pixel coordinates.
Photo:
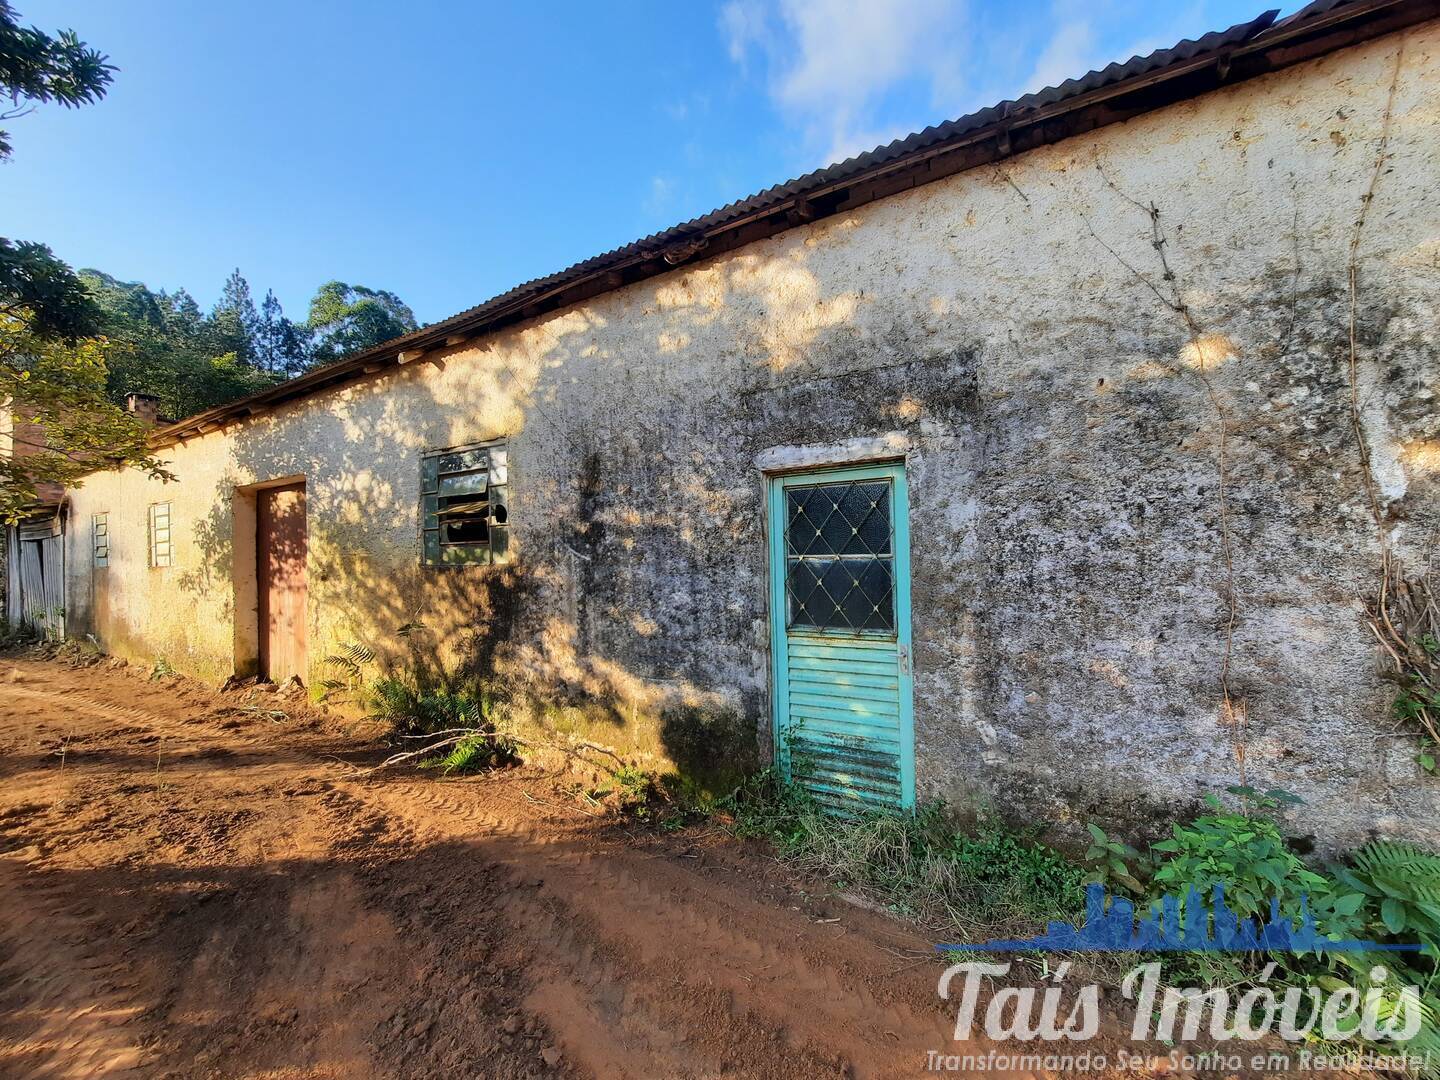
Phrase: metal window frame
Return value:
(490, 457)
(794, 558)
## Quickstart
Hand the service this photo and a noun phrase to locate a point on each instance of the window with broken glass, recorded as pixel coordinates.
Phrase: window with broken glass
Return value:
(464, 516)
(840, 563)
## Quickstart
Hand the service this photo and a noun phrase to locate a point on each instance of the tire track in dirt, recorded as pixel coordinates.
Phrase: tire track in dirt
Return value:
(610, 957)
(52, 978)
(272, 944)
(625, 918)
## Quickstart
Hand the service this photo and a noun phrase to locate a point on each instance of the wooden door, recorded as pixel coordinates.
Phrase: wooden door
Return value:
(280, 546)
(840, 623)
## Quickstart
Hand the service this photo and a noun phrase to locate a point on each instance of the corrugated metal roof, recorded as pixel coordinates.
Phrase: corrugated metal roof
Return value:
(1312, 11)
(1182, 57)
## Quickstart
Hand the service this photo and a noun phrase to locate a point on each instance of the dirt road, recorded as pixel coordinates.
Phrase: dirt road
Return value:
(194, 888)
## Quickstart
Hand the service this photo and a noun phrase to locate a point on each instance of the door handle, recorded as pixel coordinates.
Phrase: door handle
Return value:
(902, 654)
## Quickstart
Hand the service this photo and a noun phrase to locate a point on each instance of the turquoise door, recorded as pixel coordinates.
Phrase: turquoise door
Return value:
(840, 635)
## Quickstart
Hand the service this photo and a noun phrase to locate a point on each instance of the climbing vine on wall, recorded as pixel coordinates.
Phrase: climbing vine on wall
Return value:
(1405, 619)
(1203, 351)
(1402, 614)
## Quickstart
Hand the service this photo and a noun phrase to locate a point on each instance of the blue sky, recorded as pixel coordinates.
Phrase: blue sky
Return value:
(449, 150)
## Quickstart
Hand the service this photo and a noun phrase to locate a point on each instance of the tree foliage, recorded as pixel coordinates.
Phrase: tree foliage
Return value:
(38, 286)
(36, 68)
(73, 345)
(60, 387)
(235, 319)
(163, 344)
(280, 345)
(167, 346)
(350, 318)
(52, 368)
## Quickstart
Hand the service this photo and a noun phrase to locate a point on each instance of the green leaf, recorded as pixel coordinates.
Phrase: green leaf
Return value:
(1356, 883)
(1347, 1024)
(1097, 832)
(1392, 914)
(1348, 904)
(1273, 872)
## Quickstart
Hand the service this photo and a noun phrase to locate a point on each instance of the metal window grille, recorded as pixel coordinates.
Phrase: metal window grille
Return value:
(839, 554)
(162, 547)
(464, 506)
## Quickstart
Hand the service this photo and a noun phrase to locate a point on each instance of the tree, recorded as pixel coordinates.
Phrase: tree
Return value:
(349, 318)
(235, 321)
(163, 345)
(59, 386)
(37, 285)
(36, 69)
(52, 369)
(281, 346)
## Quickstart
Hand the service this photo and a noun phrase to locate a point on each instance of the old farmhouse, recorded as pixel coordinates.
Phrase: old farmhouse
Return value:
(1043, 461)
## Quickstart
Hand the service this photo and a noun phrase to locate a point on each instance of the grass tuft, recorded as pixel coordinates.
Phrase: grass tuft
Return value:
(996, 882)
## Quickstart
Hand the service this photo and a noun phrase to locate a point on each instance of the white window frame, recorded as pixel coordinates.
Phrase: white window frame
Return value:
(161, 535)
(100, 538)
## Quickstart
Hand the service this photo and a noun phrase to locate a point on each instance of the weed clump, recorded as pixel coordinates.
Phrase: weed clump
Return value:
(917, 865)
(479, 753)
(463, 719)
(999, 883)
(413, 709)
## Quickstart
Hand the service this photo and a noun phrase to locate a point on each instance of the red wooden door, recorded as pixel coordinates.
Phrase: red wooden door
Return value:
(280, 549)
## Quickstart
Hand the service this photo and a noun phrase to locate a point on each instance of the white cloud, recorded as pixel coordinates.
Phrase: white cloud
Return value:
(1075, 47)
(662, 194)
(1069, 53)
(850, 75)
(831, 62)
(744, 24)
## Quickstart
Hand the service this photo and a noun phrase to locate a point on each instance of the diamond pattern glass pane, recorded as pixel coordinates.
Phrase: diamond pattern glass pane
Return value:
(839, 519)
(840, 570)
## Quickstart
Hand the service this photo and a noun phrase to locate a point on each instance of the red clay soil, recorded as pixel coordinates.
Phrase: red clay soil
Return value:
(193, 887)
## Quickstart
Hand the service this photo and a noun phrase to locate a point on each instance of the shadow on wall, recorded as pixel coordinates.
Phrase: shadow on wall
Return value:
(1064, 506)
(359, 457)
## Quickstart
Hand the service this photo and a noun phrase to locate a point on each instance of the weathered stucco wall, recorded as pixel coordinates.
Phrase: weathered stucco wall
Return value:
(1013, 332)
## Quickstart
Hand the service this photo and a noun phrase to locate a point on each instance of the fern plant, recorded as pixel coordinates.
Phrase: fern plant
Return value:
(350, 662)
(352, 658)
(1400, 882)
(413, 711)
(474, 754)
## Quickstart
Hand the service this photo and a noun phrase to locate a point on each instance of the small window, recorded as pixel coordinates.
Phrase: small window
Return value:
(100, 538)
(162, 548)
(464, 514)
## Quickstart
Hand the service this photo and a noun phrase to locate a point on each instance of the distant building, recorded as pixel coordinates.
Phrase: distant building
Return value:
(34, 547)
